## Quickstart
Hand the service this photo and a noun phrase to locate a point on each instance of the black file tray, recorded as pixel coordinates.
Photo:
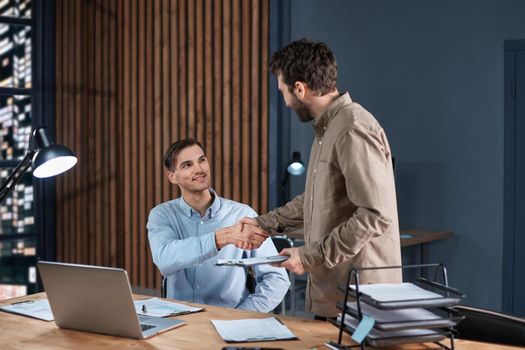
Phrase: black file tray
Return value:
(388, 334)
(447, 296)
(437, 317)
(384, 339)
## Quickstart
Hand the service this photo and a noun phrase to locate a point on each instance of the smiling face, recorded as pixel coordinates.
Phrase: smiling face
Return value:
(191, 171)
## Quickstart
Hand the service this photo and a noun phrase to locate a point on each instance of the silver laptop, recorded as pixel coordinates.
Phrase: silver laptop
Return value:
(97, 299)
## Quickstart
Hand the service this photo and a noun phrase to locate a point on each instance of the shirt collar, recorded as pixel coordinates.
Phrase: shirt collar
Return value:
(215, 205)
(211, 211)
(321, 123)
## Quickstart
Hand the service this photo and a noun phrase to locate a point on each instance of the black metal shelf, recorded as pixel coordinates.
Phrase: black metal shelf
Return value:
(435, 334)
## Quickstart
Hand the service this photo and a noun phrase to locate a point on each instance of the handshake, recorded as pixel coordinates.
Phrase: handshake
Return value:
(245, 234)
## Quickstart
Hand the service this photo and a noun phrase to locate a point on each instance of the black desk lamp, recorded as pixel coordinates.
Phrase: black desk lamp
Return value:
(48, 160)
(295, 167)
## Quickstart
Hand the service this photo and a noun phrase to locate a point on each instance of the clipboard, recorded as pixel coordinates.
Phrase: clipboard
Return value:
(274, 259)
(155, 307)
(252, 330)
(38, 309)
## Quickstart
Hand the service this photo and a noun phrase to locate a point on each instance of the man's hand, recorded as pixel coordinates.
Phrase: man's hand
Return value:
(247, 221)
(294, 263)
(241, 234)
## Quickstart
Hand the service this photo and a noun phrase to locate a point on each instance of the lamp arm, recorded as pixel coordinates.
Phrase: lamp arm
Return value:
(15, 176)
(282, 186)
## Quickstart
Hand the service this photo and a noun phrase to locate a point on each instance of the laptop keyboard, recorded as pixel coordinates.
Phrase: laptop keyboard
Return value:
(145, 327)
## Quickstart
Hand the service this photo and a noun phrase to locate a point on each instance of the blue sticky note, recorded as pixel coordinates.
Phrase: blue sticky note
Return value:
(363, 328)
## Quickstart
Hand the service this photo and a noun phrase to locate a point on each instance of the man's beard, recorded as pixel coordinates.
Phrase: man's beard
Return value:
(302, 110)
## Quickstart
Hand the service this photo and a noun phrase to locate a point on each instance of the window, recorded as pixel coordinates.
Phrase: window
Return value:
(18, 238)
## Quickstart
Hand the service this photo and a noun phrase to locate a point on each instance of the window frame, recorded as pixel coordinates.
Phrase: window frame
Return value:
(42, 93)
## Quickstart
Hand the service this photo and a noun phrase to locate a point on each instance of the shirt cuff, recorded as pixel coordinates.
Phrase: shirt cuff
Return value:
(267, 222)
(311, 255)
(208, 246)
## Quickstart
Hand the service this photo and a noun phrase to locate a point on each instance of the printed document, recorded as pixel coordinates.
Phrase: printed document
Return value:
(251, 330)
(389, 292)
(378, 334)
(33, 308)
(399, 315)
(157, 307)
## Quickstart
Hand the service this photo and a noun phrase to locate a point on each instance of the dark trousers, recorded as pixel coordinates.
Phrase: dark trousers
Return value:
(320, 318)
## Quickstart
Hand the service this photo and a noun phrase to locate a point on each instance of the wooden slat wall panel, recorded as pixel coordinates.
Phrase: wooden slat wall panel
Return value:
(133, 76)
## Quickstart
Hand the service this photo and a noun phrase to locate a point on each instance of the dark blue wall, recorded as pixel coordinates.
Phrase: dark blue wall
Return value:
(432, 73)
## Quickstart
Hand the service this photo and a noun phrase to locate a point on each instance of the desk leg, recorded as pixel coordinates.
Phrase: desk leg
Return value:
(422, 258)
(292, 293)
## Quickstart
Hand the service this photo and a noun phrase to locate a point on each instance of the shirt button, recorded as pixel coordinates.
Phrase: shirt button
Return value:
(324, 128)
(315, 170)
(198, 287)
(202, 222)
(312, 198)
(320, 142)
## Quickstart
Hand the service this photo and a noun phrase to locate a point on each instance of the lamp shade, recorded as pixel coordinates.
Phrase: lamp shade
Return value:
(296, 166)
(50, 159)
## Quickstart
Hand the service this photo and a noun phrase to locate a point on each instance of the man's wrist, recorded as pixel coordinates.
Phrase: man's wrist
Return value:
(221, 237)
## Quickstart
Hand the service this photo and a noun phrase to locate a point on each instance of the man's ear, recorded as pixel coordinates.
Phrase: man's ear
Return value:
(171, 177)
(300, 89)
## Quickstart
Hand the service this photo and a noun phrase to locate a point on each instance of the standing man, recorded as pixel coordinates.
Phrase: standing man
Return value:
(348, 210)
(186, 240)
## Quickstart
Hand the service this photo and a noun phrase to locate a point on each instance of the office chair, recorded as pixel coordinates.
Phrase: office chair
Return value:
(282, 242)
(490, 326)
(164, 287)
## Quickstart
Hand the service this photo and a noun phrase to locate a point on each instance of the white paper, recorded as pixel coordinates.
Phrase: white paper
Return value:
(162, 308)
(378, 334)
(389, 292)
(253, 261)
(399, 315)
(252, 330)
(38, 309)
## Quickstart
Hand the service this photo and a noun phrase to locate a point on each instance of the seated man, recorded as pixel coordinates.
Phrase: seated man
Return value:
(189, 234)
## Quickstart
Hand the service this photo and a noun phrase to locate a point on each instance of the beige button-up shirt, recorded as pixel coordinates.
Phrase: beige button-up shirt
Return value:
(348, 210)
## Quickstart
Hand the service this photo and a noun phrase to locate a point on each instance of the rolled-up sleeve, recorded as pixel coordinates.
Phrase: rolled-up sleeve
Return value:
(170, 253)
(287, 217)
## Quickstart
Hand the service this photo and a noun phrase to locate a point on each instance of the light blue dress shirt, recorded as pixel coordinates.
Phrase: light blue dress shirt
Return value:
(183, 248)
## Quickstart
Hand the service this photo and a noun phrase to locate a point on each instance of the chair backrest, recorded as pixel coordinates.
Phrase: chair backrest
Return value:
(282, 242)
(164, 287)
(490, 326)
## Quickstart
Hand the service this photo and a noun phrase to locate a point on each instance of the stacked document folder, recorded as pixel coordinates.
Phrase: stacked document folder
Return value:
(407, 318)
(378, 337)
(407, 295)
(386, 314)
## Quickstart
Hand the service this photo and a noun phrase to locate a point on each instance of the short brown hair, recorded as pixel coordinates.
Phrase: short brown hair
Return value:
(173, 151)
(308, 61)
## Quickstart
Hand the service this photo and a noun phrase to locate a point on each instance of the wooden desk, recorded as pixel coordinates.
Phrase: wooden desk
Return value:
(19, 332)
(422, 236)
(416, 236)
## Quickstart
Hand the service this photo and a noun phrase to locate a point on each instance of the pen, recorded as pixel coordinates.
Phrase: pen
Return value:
(23, 302)
(144, 308)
